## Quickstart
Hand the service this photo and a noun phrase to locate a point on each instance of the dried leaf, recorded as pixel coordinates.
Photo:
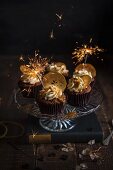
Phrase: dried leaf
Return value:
(91, 142)
(83, 166)
(80, 156)
(86, 151)
(65, 149)
(68, 147)
(93, 156)
(71, 149)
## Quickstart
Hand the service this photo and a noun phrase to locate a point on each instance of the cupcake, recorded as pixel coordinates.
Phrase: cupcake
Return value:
(51, 98)
(79, 90)
(31, 79)
(58, 67)
(86, 69)
(29, 85)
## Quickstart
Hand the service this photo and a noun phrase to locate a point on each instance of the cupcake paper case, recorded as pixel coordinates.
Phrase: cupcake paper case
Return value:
(51, 98)
(29, 85)
(50, 102)
(29, 90)
(86, 69)
(79, 90)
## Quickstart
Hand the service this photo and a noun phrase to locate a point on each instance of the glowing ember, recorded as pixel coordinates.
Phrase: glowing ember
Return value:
(51, 35)
(81, 53)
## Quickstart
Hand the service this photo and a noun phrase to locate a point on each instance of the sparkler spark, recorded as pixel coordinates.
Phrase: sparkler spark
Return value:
(59, 16)
(21, 58)
(81, 53)
(27, 90)
(51, 35)
(90, 40)
(34, 133)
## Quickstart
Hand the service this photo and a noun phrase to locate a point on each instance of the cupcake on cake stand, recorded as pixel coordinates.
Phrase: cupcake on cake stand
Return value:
(51, 101)
(30, 80)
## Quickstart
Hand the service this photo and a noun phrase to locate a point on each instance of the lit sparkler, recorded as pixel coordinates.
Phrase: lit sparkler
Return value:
(82, 53)
(36, 66)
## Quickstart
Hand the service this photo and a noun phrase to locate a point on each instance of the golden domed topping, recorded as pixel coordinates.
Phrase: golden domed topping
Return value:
(88, 67)
(56, 79)
(87, 80)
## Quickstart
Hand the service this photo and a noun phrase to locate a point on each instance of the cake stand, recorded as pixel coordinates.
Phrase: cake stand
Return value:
(61, 122)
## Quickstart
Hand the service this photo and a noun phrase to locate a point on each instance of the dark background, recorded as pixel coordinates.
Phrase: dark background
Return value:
(25, 25)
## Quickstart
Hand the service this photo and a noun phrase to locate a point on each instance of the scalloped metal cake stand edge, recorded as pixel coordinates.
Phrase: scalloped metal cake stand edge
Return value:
(57, 125)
